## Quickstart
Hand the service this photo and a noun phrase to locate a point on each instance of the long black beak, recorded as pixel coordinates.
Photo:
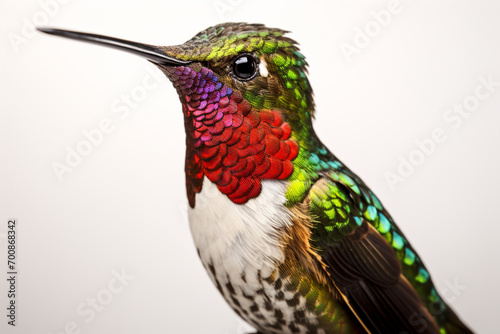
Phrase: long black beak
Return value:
(150, 52)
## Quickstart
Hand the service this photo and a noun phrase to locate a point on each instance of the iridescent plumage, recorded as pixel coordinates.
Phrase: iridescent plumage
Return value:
(349, 223)
(230, 142)
(293, 240)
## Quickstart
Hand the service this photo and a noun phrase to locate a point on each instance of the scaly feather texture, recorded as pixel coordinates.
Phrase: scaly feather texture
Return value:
(270, 286)
(229, 141)
(240, 133)
(293, 240)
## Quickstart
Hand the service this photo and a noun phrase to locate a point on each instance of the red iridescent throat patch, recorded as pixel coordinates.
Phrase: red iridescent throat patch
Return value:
(231, 143)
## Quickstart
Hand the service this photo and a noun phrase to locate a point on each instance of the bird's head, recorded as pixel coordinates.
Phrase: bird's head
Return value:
(246, 100)
(259, 62)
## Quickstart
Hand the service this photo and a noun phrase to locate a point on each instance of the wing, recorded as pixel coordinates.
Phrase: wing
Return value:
(362, 264)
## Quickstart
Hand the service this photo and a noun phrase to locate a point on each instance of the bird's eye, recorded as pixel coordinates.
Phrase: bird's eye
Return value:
(245, 67)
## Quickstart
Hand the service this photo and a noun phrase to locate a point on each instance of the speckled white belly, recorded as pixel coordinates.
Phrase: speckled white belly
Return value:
(239, 245)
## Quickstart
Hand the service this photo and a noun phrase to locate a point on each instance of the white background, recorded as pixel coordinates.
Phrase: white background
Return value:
(123, 207)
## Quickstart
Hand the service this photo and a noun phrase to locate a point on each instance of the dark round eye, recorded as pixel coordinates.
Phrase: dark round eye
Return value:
(245, 67)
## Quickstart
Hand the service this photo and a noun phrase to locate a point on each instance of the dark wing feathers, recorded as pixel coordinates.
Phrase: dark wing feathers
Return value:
(371, 255)
(364, 267)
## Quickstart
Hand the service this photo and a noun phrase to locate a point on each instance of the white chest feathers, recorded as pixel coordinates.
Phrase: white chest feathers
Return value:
(234, 237)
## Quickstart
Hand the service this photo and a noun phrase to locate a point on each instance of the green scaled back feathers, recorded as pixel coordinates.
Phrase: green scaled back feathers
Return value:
(341, 205)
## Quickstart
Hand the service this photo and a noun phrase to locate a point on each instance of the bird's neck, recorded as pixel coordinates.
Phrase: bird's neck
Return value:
(236, 147)
(236, 140)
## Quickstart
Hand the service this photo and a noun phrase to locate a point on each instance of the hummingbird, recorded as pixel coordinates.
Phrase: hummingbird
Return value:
(294, 241)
